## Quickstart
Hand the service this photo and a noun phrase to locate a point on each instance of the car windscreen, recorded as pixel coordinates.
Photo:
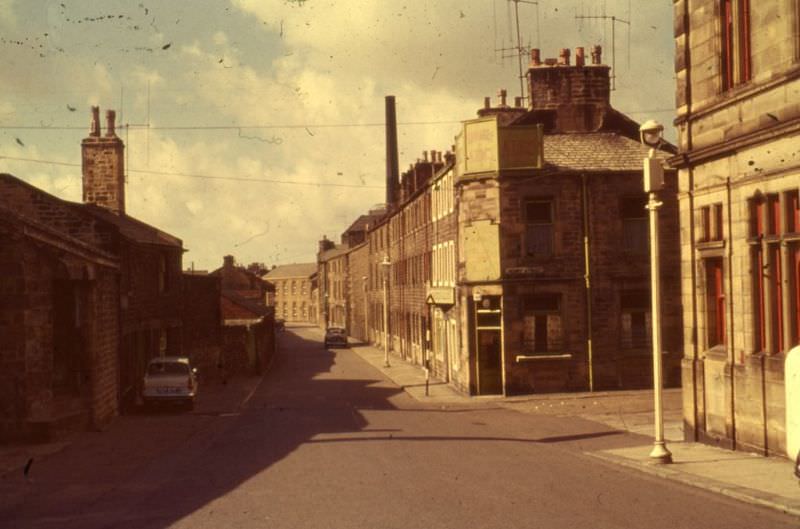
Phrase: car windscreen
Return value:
(168, 368)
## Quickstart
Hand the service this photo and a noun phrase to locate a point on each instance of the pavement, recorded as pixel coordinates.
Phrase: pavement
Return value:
(751, 478)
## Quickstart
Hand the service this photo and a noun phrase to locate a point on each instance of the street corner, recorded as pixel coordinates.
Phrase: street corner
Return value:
(765, 481)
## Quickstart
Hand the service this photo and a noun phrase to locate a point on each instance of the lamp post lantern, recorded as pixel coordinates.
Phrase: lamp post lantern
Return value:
(650, 133)
(385, 267)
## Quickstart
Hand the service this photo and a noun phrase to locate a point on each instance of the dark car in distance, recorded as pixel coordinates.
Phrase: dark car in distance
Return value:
(335, 337)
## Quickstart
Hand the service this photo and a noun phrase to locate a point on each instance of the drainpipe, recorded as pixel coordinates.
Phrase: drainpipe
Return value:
(729, 306)
(587, 275)
(690, 176)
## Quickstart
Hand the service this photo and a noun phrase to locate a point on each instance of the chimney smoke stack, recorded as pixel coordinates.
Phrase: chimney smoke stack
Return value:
(502, 93)
(111, 117)
(580, 56)
(392, 167)
(563, 57)
(487, 102)
(536, 57)
(597, 54)
(94, 130)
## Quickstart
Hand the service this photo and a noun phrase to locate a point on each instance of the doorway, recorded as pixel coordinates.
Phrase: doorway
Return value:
(488, 346)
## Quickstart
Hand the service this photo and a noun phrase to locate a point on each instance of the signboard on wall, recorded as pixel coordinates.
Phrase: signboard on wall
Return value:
(482, 242)
(483, 146)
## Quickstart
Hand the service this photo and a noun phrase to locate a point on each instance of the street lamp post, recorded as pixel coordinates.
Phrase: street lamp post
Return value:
(650, 133)
(385, 267)
(366, 310)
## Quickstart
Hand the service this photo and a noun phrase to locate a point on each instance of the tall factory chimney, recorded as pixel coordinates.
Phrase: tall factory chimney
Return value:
(392, 167)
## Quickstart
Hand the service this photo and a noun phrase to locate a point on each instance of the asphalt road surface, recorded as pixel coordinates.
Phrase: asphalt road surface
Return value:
(326, 442)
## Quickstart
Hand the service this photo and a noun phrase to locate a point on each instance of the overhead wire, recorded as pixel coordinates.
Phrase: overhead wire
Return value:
(141, 126)
(203, 176)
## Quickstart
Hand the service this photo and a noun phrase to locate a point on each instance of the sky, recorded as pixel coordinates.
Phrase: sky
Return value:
(255, 127)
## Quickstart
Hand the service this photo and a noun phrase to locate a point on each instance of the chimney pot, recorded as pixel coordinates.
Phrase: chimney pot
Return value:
(580, 56)
(563, 57)
(502, 93)
(425, 155)
(517, 102)
(94, 130)
(111, 117)
(536, 57)
(487, 102)
(228, 261)
(597, 54)
(433, 156)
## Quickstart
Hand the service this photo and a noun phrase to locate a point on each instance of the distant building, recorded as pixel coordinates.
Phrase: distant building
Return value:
(739, 170)
(248, 319)
(293, 298)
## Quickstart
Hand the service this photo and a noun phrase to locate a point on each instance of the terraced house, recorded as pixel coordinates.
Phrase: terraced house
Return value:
(519, 263)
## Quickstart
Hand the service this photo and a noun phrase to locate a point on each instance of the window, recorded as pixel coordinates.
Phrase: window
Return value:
(635, 316)
(162, 274)
(715, 302)
(735, 46)
(543, 331)
(711, 225)
(538, 216)
(775, 271)
(634, 224)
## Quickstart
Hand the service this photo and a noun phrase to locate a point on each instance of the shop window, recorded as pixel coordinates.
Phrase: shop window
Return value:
(543, 332)
(539, 228)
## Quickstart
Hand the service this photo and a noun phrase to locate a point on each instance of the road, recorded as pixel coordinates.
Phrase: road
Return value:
(326, 441)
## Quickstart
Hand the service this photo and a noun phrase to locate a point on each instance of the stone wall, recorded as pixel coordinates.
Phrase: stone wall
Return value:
(202, 321)
(737, 145)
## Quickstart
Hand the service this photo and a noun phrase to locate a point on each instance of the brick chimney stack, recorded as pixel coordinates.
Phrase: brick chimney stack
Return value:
(102, 160)
(577, 95)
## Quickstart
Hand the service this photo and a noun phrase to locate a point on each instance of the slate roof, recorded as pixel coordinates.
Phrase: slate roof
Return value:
(133, 229)
(595, 152)
(34, 203)
(327, 255)
(236, 307)
(291, 270)
(361, 223)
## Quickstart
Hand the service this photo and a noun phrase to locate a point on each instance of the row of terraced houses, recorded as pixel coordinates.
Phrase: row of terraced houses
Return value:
(517, 262)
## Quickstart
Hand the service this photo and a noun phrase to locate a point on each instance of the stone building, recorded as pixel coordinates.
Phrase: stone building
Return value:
(333, 283)
(418, 242)
(150, 300)
(739, 171)
(59, 307)
(521, 265)
(202, 320)
(89, 295)
(293, 297)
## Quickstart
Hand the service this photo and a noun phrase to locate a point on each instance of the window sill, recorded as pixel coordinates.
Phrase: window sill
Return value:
(543, 356)
(710, 245)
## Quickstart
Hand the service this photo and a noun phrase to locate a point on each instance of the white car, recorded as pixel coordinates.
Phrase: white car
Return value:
(170, 379)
